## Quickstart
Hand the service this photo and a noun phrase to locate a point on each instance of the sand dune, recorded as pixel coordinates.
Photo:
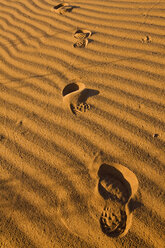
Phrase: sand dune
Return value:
(82, 136)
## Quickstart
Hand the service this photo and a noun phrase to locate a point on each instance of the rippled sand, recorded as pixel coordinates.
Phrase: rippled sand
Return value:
(66, 110)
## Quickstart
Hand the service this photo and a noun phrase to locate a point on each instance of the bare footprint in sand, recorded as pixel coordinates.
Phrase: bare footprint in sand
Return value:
(75, 96)
(117, 185)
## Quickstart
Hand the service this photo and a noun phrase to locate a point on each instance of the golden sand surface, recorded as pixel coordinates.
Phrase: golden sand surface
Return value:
(82, 121)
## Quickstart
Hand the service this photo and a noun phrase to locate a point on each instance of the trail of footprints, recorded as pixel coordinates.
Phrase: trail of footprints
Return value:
(115, 219)
(118, 188)
(82, 35)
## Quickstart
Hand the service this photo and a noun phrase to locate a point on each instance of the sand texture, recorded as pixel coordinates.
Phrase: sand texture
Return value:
(82, 121)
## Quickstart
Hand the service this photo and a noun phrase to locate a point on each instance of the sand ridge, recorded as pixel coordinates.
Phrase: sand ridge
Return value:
(78, 122)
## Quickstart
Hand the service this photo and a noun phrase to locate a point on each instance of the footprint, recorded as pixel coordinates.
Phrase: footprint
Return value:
(19, 123)
(75, 96)
(117, 185)
(2, 137)
(81, 107)
(81, 43)
(113, 220)
(61, 8)
(155, 135)
(82, 34)
(111, 187)
(146, 39)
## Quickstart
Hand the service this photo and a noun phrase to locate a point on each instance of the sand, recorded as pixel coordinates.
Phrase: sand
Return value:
(82, 121)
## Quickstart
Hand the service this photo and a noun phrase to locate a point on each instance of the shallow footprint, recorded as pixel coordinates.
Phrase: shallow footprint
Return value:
(81, 108)
(71, 94)
(61, 8)
(82, 34)
(146, 39)
(81, 43)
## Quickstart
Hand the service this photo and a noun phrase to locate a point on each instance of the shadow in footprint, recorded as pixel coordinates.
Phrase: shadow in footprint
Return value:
(86, 93)
(112, 184)
(71, 8)
(2, 137)
(75, 96)
(70, 88)
(118, 186)
(63, 7)
(82, 34)
(90, 41)
(134, 204)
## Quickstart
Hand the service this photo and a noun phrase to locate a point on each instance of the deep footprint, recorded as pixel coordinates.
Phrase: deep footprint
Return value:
(82, 34)
(113, 219)
(113, 188)
(59, 8)
(75, 96)
(117, 185)
(62, 8)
